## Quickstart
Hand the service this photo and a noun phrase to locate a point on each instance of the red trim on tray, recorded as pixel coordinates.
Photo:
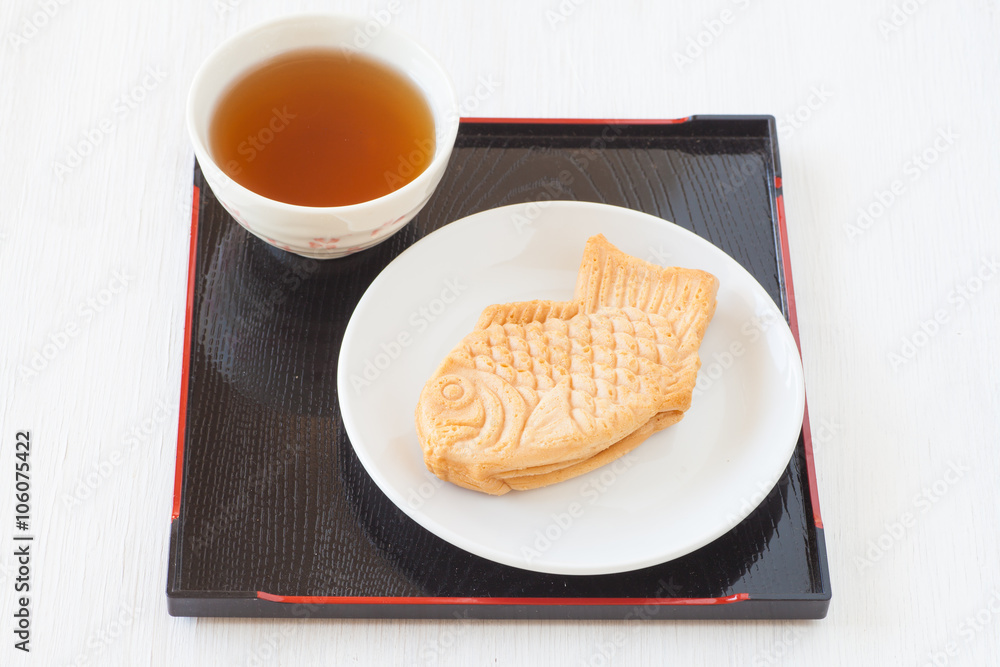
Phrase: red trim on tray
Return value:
(583, 121)
(786, 265)
(318, 599)
(811, 466)
(182, 407)
(310, 599)
(793, 324)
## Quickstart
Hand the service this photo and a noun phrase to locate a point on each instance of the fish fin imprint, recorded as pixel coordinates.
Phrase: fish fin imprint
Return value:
(558, 435)
(551, 425)
(566, 412)
(525, 312)
(680, 303)
(564, 387)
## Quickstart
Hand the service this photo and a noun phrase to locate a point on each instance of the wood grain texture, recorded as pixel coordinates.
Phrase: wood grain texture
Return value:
(106, 399)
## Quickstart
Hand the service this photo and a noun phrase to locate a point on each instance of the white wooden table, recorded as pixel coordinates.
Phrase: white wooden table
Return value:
(890, 149)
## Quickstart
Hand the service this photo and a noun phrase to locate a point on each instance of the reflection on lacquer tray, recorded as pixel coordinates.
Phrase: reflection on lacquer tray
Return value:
(442, 570)
(262, 312)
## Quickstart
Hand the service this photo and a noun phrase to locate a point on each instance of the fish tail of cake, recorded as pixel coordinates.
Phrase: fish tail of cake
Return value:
(609, 278)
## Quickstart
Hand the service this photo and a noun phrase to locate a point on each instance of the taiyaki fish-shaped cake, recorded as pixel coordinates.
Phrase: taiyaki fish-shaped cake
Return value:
(543, 391)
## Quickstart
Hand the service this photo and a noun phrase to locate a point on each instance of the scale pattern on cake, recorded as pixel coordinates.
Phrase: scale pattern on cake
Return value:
(543, 391)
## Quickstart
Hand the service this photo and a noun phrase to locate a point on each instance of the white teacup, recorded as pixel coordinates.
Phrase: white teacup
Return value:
(333, 231)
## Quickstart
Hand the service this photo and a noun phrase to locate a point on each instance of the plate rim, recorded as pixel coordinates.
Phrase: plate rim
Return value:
(541, 566)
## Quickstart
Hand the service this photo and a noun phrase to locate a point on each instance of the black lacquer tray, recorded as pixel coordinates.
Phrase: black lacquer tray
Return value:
(275, 516)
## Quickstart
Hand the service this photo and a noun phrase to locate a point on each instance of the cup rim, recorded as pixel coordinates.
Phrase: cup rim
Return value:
(446, 139)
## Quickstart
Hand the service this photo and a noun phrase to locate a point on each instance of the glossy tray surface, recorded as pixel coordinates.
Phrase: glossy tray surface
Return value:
(274, 514)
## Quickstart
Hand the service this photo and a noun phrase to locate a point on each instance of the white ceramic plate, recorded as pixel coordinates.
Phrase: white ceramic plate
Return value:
(678, 491)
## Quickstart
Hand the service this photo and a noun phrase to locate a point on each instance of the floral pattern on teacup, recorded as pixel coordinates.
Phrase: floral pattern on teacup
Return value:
(235, 212)
(324, 243)
(278, 244)
(385, 225)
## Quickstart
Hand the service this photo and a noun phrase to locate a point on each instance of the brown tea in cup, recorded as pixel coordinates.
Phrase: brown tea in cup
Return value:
(322, 127)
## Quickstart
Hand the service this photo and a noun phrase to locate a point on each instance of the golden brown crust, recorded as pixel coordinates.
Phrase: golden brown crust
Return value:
(536, 480)
(526, 312)
(609, 277)
(542, 391)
